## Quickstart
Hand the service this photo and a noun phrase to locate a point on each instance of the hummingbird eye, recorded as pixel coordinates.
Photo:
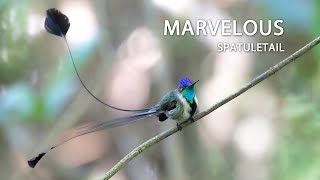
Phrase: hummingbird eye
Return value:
(181, 88)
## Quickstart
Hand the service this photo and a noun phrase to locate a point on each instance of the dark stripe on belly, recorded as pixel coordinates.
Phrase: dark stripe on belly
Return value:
(193, 107)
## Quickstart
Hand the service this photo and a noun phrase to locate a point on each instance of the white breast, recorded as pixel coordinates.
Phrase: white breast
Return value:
(187, 109)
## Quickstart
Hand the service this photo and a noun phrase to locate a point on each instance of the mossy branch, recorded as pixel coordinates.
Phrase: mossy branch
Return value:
(200, 115)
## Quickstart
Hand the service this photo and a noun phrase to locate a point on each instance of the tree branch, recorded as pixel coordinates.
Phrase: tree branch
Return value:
(200, 115)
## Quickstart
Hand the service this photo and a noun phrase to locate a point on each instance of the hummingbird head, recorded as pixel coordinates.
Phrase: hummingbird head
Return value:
(186, 87)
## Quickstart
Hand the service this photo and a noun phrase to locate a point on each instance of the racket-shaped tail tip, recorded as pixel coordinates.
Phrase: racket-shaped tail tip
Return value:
(34, 161)
(56, 22)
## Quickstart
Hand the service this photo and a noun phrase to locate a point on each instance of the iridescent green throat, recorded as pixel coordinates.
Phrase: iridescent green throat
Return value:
(189, 94)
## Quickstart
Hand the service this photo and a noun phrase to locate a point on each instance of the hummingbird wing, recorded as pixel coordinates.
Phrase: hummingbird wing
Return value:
(111, 123)
(167, 103)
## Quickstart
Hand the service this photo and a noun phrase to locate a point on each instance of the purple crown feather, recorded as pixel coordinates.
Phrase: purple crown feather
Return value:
(185, 82)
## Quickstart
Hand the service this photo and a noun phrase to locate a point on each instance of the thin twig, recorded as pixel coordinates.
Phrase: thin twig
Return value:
(200, 115)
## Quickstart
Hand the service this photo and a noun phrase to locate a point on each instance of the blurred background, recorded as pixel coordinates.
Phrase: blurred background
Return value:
(270, 132)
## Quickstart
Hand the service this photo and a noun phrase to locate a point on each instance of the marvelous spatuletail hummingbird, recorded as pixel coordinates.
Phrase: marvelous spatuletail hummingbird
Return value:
(179, 104)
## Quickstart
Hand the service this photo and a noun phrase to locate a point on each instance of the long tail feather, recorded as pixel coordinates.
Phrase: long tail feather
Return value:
(113, 107)
(58, 24)
(115, 121)
(111, 123)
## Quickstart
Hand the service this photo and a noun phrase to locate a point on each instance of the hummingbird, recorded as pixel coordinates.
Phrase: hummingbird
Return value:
(179, 105)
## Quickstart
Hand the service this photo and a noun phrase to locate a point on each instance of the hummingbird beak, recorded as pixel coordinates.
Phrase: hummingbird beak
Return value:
(194, 83)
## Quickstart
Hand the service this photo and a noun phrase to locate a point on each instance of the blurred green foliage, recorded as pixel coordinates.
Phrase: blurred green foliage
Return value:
(15, 51)
(297, 156)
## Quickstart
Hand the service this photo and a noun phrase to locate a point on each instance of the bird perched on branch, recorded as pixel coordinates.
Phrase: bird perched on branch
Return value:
(179, 105)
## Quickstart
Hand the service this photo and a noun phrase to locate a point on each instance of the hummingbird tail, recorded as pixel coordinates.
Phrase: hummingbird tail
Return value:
(111, 123)
(82, 83)
(115, 122)
(58, 24)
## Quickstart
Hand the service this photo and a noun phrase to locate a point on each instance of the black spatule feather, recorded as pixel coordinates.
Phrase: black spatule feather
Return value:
(58, 24)
(34, 161)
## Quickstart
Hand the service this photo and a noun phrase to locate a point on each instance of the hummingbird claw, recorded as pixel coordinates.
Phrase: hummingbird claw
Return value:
(192, 120)
(179, 127)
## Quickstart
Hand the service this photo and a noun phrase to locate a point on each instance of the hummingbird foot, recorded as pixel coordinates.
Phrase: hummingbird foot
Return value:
(179, 126)
(192, 120)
